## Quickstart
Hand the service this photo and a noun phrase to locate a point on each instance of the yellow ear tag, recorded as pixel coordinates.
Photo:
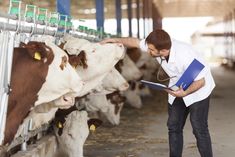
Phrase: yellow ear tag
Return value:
(59, 125)
(92, 127)
(37, 56)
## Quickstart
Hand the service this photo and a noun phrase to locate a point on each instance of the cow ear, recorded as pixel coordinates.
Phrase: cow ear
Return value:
(62, 45)
(37, 50)
(94, 123)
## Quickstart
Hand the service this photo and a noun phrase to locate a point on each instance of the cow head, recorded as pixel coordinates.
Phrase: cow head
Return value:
(100, 59)
(133, 95)
(128, 69)
(75, 132)
(116, 101)
(61, 79)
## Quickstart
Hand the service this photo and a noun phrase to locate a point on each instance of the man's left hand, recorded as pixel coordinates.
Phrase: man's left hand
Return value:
(178, 93)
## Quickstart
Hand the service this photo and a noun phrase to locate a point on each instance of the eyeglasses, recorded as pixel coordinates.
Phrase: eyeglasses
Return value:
(158, 73)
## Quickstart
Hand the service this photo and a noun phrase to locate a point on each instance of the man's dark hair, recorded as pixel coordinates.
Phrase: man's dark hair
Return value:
(160, 39)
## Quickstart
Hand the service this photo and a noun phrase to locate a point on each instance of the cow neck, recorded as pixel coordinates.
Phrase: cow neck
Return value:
(28, 76)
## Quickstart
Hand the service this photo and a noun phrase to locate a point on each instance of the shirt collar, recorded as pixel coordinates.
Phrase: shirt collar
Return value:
(172, 53)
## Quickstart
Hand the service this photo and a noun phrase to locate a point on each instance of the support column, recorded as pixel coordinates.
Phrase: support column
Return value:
(144, 17)
(118, 17)
(100, 14)
(138, 17)
(63, 7)
(157, 18)
(129, 12)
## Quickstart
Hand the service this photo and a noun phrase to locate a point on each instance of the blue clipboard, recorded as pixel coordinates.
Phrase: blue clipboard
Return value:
(185, 80)
(190, 74)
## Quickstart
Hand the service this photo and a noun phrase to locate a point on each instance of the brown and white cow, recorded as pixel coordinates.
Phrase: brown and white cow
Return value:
(97, 60)
(40, 73)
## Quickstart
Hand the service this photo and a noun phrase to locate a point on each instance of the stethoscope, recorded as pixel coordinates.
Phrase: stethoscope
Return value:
(158, 72)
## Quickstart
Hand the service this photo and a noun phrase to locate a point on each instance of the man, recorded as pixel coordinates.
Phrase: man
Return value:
(175, 57)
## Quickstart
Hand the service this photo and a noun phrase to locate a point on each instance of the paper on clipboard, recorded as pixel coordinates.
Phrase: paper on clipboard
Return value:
(158, 86)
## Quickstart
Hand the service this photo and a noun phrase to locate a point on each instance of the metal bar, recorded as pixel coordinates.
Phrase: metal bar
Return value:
(118, 17)
(157, 19)
(26, 29)
(3, 79)
(100, 14)
(63, 8)
(13, 17)
(138, 17)
(144, 17)
(129, 12)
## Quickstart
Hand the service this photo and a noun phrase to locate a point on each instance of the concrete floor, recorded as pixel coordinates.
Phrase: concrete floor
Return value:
(143, 132)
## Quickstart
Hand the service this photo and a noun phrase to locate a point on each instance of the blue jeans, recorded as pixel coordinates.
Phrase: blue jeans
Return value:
(178, 113)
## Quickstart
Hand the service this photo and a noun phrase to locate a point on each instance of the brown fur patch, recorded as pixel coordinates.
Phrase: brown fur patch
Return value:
(119, 65)
(79, 60)
(116, 98)
(64, 61)
(134, 54)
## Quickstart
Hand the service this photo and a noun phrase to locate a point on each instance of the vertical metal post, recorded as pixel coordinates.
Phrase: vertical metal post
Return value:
(129, 12)
(7, 44)
(100, 14)
(138, 17)
(144, 17)
(63, 7)
(118, 17)
(157, 19)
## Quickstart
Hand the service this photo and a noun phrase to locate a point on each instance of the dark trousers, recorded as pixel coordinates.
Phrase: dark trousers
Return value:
(178, 113)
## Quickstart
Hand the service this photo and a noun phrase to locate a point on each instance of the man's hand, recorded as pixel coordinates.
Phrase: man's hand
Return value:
(178, 93)
(192, 88)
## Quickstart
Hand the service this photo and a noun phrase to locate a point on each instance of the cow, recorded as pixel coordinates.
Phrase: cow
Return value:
(96, 62)
(40, 74)
(71, 130)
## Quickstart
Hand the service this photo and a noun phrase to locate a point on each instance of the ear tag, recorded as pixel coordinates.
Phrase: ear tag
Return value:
(92, 127)
(59, 125)
(37, 56)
